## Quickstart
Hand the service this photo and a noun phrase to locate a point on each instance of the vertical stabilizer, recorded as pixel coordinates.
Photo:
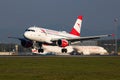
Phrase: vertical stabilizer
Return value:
(77, 27)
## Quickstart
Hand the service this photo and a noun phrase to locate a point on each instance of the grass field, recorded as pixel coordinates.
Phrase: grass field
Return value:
(60, 68)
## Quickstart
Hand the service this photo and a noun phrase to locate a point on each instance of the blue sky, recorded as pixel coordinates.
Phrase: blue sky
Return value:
(98, 16)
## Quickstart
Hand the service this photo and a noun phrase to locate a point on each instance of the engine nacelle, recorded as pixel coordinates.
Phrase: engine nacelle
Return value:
(62, 43)
(26, 43)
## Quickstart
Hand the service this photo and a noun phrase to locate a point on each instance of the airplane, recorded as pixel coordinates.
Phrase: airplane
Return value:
(90, 50)
(36, 37)
(53, 50)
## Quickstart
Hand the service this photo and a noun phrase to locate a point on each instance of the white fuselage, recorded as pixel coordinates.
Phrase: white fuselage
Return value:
(46, 35)
(88, 50)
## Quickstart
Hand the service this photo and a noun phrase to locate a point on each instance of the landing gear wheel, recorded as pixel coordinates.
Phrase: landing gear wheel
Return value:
(40, 50)
(64, 50)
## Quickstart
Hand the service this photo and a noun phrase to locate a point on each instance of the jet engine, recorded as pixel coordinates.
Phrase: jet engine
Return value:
(26, 43)
(62, 43)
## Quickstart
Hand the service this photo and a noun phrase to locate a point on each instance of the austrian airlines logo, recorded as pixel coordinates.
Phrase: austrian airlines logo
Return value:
(43, 31)
(78, 24)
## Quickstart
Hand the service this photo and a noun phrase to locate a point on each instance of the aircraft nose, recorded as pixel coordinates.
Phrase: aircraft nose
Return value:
(26, 35)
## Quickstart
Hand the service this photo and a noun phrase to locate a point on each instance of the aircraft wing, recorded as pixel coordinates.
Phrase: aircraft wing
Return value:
(85, 38)
(16, 38)
(88, 38)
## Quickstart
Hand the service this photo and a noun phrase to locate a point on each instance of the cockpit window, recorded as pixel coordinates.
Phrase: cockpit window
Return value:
(30, 30)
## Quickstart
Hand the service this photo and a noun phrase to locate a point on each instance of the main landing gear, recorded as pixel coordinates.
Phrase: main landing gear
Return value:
(40, 50)
(64, 50)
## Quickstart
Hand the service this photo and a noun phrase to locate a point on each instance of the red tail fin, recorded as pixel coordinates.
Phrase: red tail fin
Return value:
(77, 27)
